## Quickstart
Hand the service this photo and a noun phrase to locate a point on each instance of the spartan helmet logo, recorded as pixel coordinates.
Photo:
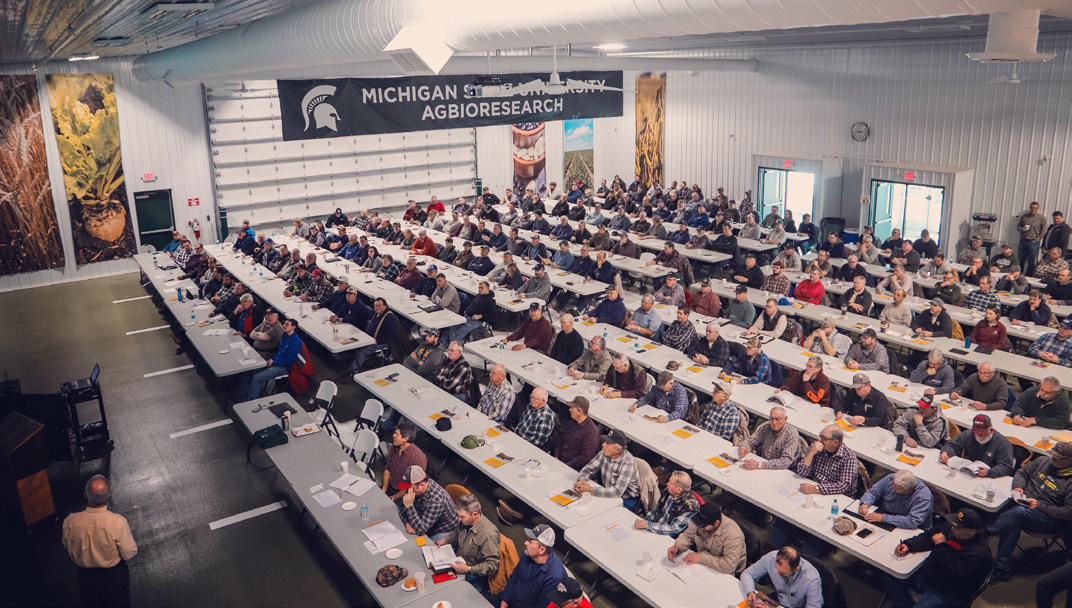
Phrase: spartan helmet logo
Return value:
(315, 102)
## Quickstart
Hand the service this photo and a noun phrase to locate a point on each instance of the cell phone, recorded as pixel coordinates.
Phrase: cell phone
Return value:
(865, 532)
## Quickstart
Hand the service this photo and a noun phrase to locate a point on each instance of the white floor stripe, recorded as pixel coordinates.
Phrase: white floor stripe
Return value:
(168, 371)
(131, 299)
(141, 331)
(234, 519)
(203, 427)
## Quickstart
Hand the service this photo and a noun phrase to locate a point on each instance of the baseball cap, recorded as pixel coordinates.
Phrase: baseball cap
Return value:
(754, 343)
(433, 267)
(981, 424)
(859, 380)
(344, 279)
(568, 589)
(1062, 450)
(412, 475)
(1006, 245)
(673, 275)
(926, 402)
(534, 306)
(965, 518)
(270, 311)
(725, 387)
(778, 263)
(580, 403)
(431, 330)
(741, 289)
(612, 287)
(1067, 323)
(543, 533)
(351, 289)
(870, 333)
(615, 438)
(937, 303)
(705, 283)
(317, 272)
(1014, 268)
(485, 248)
(708, 514)
(538, 267)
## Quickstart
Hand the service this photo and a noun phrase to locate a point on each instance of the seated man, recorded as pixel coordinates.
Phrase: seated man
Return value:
(933, 322)
(1031, 310)
(828, 340)
(498, 399)
(923, 424)
(1046, 485)
(593, 363)
(958, 563)
(868, 354)
(750, 274)
(755, 367)
(857, 299)
(739, 310)
(1045, 405)
(984, 390)
(899, 500)
(624, 379)
(984, 444)
(675, 508)
(616, 471)
(796, 582)
(680, 334)
(402, 455)
(1014, 282)
(721, 417)
(538, 420)
(611, 310)
(850, 270)
(455, 375)
(706, 302)
(646, 320)
(812, 385)
(861, 405)
(830, 464)
(671, 293)
(536, 575)
(711, 348)
(567, 344)
(290, 346)
(934, 372)
(579, 441)
(425, 507)
(667, 395)
(771, 322)
(427, 358)
(535, 332)
(776, 441)
(1055, 347)
(716, 541)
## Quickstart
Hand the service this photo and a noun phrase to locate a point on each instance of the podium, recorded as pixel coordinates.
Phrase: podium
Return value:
(25, 492)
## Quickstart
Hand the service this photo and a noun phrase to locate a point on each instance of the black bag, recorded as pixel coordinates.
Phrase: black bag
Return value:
(270, 436)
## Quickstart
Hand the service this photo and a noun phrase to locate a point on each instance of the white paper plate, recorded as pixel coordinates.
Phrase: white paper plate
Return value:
(538, 473)
(349, 506)
(584, 511)
(394, 553)
(224, 351)
(727, 471)
(404, 588)
(441, 604)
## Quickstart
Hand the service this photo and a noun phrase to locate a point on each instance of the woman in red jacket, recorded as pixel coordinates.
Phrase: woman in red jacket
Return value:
(990, 332)
(812, 289)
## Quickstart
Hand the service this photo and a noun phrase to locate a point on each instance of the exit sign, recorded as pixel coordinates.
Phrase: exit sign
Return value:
(193, 202)
(909, 176)
(148, 177)
(787, 163)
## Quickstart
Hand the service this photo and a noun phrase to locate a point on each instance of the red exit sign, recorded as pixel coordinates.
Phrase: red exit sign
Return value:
(787, 163)
(909, 176)
(193, 202)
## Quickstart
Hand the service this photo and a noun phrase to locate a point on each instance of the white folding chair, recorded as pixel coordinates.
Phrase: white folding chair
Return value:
(146, 249)
(649, 381)
(647, 256)
(325, 400)
(371, 414)
(365, 442)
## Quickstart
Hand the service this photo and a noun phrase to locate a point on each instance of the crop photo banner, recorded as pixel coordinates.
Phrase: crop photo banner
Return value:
(315, 109)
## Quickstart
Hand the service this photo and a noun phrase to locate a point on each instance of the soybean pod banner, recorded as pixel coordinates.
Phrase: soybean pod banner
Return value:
(315, 109)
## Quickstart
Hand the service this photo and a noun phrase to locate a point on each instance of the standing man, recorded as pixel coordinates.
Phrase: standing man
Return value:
(100, 543)
(1057, 234)
(1031, 226)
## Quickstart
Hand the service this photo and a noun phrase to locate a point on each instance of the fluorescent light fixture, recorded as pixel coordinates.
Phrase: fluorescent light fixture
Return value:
(187, 9)
(108, 42)
(83, 57)
(610, 46)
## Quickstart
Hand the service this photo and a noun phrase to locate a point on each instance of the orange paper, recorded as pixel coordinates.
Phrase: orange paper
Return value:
(1043, 444)
(908, 460)
(683, 433)
(1007, 420)
(845, 425)
(494, 462)
(493, 433)
(718, 462)
(562, 500)
(421, 541)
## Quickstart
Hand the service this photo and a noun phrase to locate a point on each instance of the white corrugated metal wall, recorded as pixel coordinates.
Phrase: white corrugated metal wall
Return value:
(162, 131)
(923, 101)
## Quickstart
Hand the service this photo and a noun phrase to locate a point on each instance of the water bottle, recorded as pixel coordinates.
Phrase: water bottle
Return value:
(193, 316)
(364, 510)
(604, 335)
(301, 310)
(834, 509)
(179, 291)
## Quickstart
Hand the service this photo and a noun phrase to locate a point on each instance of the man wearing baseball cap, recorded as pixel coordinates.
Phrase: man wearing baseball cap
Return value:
(959, 562)
(1055, 347)
(427, 358)
(616, 471)
(580, 439)
(923, 424)
(568, 594)
(537, 573)
(983, 444)
(1042, 489)
(425, 508)
(671, 293)
(867, 353)
(739, 310)
(755, 367)
(319, 290)
(721, 417)
(538, 286)
(716, 541)
(534, 332)
(933, 322)
(864, 406)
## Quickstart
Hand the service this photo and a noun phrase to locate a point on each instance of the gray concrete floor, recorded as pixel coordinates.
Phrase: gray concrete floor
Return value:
(171, 489)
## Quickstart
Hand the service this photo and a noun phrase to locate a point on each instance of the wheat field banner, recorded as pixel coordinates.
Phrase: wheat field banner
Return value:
(578, 159)
(650, 116)
(29, 233)
(87, 133)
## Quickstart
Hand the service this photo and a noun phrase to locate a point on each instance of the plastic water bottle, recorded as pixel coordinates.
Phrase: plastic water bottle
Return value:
(193, 316)
(604, 335)
(364, 510)
(301, 310)
(834, 509)
(179, 291)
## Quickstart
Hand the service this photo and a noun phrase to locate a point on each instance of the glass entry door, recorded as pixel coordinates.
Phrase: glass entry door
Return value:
(793, 190)
(910, 208)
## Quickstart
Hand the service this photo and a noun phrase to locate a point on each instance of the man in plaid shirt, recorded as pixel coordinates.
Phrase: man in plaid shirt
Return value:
(675, 509)
(668, 396)
(721, 417)
(617, 472)
(982, 298)
(425, 507)
(538, 420)
(319, 291)
(672, 293)
(776, 441)
(1055, 347)
(680, 334)
(777, 282)
(390, 270)
(498, 400)
(712, 349)
(755, 367)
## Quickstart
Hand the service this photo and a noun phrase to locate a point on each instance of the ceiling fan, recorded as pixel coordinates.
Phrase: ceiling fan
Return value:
(1013, 78)
(553, 86)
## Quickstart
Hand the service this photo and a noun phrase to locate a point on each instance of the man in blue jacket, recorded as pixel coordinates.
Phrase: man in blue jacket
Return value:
(610, 311)
(482, 265)
(290, 346)
(537, 573)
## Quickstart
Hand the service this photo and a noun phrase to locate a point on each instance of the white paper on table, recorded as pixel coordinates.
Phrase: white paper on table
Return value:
(237, 344)
(793, 494)
(248, 361)
(439, 557)
(169, 290)
(361, 486)
(203, 307)
(649, 410)
(385, 542)
(382, 528)
(423, 392)
(629, 418)
(345, 481)
(668, 438)
(688, 573)
(617, 531)
(160, 276)
(216, 332)
(327, 498)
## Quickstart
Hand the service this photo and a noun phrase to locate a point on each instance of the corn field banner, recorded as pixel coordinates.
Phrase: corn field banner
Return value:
(315, 109)
(29, 233)
(650, 117)
(578, 160)
(87, 132)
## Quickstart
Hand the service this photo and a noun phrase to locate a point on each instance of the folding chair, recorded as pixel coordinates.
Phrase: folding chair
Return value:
(365, 443)
(325, 400)
(371, 415)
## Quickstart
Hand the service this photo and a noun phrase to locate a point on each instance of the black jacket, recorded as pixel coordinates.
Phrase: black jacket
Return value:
(567, 347)
(942, 326)
(482, 304)
(955, 568)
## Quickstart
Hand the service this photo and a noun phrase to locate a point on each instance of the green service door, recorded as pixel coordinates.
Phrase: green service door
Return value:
(156, 219)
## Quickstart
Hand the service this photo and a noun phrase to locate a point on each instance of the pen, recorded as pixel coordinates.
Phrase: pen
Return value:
(374, 523)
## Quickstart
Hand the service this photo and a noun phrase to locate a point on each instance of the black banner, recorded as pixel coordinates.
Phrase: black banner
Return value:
(315, 109)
